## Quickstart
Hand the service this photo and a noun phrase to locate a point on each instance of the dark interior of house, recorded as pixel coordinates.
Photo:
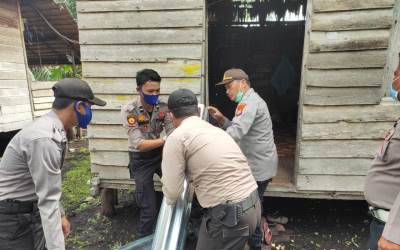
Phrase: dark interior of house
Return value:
(265, 39)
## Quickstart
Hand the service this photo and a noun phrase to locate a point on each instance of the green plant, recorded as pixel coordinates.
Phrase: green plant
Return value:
(71, 5)
(76, 184)
(55, 73)
(41, 73)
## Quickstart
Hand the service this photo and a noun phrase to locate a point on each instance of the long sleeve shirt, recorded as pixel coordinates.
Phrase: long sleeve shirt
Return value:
(30, 170)
(251, 128)
(211, 159)
(382, 185)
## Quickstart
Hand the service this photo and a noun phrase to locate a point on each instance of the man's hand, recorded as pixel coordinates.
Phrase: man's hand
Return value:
(384, 244)
(216, 114)
(66, 227)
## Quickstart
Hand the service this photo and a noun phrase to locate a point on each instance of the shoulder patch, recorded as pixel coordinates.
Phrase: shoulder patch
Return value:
(131, 120)
(239, 109)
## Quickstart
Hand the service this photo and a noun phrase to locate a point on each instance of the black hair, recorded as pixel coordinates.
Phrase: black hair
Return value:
(146, 75)
(62, 103)
(184, 112)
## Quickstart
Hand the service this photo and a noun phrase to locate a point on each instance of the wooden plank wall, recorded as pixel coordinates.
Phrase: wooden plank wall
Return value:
(43, 97)
(342, 120)
(119, 38)
(15, 106)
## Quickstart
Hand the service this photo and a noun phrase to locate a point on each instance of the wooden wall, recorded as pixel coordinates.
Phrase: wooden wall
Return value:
(343, 120)
(119, 38)
(15, 105)
(42, 96)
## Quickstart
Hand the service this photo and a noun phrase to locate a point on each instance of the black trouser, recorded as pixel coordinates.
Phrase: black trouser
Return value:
(223, 228)
(142, 167)
(375, 233)
(20, 226)
(257, 238)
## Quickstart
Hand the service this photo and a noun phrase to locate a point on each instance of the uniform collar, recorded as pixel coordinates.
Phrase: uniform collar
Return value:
(248, 93)
(56, 121)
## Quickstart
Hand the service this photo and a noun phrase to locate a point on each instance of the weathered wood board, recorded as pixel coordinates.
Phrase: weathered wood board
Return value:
(367, 113)
(334, 166)
(141, 20)
(336, 183)
(341, 96)
(137, 5)
(142, 36)
(346, 5)
(345, 130)
(365, 77)
(353, 20)
(15, 109)
(349, 40)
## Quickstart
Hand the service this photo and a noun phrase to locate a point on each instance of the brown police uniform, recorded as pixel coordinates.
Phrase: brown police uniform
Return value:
(382, 190)
(142, 125)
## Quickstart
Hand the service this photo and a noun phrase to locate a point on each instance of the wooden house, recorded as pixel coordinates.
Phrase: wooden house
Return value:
(329, 115)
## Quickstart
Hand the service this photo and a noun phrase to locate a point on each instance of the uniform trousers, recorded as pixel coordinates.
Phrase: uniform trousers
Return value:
(217, 232)
(142, 167)
(375, 232)
(21, 226)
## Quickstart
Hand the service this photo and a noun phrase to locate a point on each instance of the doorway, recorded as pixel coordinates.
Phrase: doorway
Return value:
(264, 38)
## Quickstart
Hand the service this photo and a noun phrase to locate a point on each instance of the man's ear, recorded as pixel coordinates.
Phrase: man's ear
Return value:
(80, 107)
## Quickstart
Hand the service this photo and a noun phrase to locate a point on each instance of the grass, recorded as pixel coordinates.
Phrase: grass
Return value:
(76, 183)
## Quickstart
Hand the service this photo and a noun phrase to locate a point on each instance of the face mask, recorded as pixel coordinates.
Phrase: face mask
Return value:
(150, 99)
(83, 120)
(393, 94)
(239, 96)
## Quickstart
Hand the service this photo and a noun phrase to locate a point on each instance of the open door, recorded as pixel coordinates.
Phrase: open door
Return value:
(264, 38)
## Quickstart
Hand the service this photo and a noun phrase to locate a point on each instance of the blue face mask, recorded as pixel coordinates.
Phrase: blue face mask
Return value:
(83, 120)
(393, 94)
(150, 99)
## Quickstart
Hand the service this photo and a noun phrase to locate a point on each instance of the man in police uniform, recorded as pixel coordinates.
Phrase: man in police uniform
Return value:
(251, 128)
(219, 172)
(30, 172)
(145, 119)
(382, 188)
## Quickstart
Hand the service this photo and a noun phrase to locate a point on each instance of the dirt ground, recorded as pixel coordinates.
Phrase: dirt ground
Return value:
(313, 224)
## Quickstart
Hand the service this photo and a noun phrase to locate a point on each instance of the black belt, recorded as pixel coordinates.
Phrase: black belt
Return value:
(146, 155)
(229, 214)
(249, 202)
(17, 207)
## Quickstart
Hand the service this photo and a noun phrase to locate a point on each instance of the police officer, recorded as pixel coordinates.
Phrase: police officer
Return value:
(31, 216)
(382, 188)
(219, 172)
(145, 119)
(251, 128)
